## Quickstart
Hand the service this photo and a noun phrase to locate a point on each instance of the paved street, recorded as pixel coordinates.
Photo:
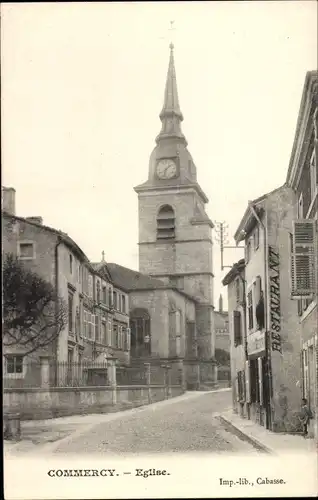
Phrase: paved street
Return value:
(183, 425)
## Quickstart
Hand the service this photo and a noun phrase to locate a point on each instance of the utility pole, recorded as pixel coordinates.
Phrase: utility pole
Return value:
(221, 229)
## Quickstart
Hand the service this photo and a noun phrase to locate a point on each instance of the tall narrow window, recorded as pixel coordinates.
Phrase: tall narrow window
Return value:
(165, 223)
(98, 292)
(140, 333)
(71, 263)
(300, 206)
(70, 312)
(97, 328)
(250, 309)
(115, 305)
(123, 304)
(104, 299)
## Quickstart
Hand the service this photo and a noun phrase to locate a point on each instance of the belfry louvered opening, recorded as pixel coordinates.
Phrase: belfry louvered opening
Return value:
(165, 223)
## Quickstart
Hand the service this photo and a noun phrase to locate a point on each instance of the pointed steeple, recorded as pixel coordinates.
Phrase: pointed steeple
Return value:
(171, 116)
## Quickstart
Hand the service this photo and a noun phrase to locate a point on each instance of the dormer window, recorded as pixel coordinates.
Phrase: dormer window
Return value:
(165, 223)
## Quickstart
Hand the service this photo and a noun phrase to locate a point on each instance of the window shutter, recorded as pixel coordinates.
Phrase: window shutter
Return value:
(237, 327)
(260, 379)
(303, 273)
(247, 380)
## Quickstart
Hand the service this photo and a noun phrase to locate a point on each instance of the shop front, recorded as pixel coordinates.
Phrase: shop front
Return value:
(258, 395)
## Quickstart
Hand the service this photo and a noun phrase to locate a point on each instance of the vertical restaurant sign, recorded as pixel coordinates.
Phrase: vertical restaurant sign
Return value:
(274, 300)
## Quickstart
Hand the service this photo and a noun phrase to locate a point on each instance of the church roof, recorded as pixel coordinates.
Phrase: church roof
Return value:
(129, 279)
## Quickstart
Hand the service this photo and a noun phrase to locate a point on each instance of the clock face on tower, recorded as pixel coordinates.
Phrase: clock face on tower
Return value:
(166, 169)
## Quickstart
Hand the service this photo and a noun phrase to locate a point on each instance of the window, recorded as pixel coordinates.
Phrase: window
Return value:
(115, 335)
(248, 250)
(90, 285)
(254, 381)
(14, 364)
(165, 223)
(237, 289)
(237, 328)
(123, 304)
(97, 328)
(127, 340)
(120, 337)
(110, 296)
(303, 275)
(90, 324)
(104, 295)
(313, 175)
(256, 238)
(70, 311)
(109, 333)
(71, 263)
(115, 305)
(80, 318)
(259, 301)
(79, 273)
(250, 310)
(140, 333)
(98, 292)
(300, 207)
(85, 323)
(104, 332)
(26, 250)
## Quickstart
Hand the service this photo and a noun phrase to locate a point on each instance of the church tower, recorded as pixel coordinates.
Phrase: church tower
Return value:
(175, 233)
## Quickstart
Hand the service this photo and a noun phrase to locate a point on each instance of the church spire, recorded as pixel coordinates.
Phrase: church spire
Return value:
(171, 116)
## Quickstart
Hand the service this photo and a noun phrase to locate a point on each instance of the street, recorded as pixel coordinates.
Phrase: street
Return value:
(187, 424)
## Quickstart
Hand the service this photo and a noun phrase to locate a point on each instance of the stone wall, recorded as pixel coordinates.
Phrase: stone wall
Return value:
(37, 404)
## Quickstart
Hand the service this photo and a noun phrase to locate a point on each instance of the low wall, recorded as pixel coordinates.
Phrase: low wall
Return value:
(37, 404)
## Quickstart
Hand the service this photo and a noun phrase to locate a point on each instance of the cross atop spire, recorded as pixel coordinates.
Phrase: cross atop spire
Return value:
(103, 256)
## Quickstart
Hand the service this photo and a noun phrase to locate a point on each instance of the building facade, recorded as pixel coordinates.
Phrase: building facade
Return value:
(97, 326)
(175, 233)
(272, 374)
(302, 177)
(274, 328)
(235, 282)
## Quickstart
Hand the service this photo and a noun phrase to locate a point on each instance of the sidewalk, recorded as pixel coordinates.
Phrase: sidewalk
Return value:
(265, 440)
(41, 434)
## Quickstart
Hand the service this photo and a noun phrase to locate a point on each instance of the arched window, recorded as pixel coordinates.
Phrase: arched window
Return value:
(165, 223)
(140, 335)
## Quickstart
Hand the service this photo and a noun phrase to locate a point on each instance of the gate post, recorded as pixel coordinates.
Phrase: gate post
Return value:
(148, 377)
(168, 381)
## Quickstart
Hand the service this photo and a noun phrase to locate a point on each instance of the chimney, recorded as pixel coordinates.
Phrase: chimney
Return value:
(8, 200)
(221, 303)
(36, 220)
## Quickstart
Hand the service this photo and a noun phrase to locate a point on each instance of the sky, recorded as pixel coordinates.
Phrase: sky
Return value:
(83, 86)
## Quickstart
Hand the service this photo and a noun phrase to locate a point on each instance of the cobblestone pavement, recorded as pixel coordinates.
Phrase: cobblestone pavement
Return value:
(182, 426)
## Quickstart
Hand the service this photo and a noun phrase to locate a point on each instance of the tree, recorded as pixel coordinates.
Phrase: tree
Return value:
(33, 312)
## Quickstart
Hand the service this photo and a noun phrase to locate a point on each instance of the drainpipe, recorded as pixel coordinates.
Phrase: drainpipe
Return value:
(267, 342)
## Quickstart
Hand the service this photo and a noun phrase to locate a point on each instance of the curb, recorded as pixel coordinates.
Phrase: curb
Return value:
(245, 437)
